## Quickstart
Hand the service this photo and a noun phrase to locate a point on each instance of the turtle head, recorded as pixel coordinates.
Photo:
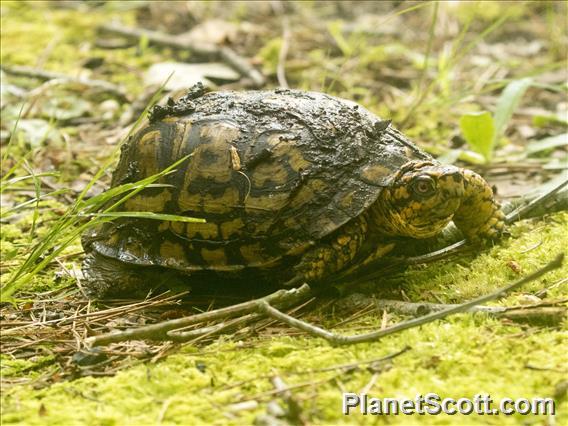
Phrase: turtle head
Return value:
(423, 197)
(421, 200)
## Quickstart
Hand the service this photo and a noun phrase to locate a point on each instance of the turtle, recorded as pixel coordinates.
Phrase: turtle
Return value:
(293, 186)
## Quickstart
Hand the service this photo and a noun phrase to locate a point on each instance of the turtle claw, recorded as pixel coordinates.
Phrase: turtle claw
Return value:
(296, 281)
(492, 230)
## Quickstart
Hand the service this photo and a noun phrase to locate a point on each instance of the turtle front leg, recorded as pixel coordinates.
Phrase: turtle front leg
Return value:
(330, 256)
(479, 216)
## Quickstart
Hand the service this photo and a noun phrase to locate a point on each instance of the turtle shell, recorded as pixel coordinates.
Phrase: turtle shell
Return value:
(271, 172)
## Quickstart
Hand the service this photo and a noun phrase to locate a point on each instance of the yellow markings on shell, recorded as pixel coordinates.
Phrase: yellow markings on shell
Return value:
(216, 142)
(325, 226)
(178, 227)
(283, 147)
(170, 120)
(180, 139)
(296, 160)
(214, 257)
(273, 202)
(344, 240)
(205, 230)
(232, 227)
(147, 147)
(346, 201)
(252, 253)
(220, 132)
(375, 173)
(266, 172)
(216, 139)
(171, 252)
(208, 202)
(307, 192)
(287, 155)
(148, 203)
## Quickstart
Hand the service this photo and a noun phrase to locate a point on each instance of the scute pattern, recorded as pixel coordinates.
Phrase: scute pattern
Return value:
(272, 172)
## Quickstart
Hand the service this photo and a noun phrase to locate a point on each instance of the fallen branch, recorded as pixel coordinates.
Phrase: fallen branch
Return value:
(420, 309)
(337, 339)
(180, 42)
(63, 78)
(547, 313)
(555, 196)
(282, 298)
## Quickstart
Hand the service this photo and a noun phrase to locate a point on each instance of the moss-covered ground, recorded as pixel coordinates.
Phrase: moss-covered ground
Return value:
(461, 356)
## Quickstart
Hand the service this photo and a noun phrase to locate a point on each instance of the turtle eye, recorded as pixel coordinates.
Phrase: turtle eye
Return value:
(424, 185)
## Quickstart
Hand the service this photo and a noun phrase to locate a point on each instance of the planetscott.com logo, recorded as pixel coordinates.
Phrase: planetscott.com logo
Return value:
(433, 404)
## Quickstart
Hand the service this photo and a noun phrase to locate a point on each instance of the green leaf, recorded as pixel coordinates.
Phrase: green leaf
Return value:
(478, 130)
(548, 143)
(508, 102)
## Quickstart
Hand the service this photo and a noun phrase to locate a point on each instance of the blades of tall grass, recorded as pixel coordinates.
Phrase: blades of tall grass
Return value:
(8, 183)
(458, 53)
(5, 213)
(548, 143)
(14, 128)
(37, 188)
(508, 102)
(149, 215)
(72, 223)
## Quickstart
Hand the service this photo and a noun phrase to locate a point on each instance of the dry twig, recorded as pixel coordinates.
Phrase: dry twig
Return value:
(550, 312)
(161, 331)
(374, 336)
(209, 51)
(281, 68)
(63, 78)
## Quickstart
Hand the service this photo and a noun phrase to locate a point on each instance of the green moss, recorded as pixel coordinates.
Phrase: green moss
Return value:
(490, 270)
(10, 367)
(459, 357)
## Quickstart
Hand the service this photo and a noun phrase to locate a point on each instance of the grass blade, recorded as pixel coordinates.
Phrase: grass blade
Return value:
(508, 102)
(548, 143)
(149, 215)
